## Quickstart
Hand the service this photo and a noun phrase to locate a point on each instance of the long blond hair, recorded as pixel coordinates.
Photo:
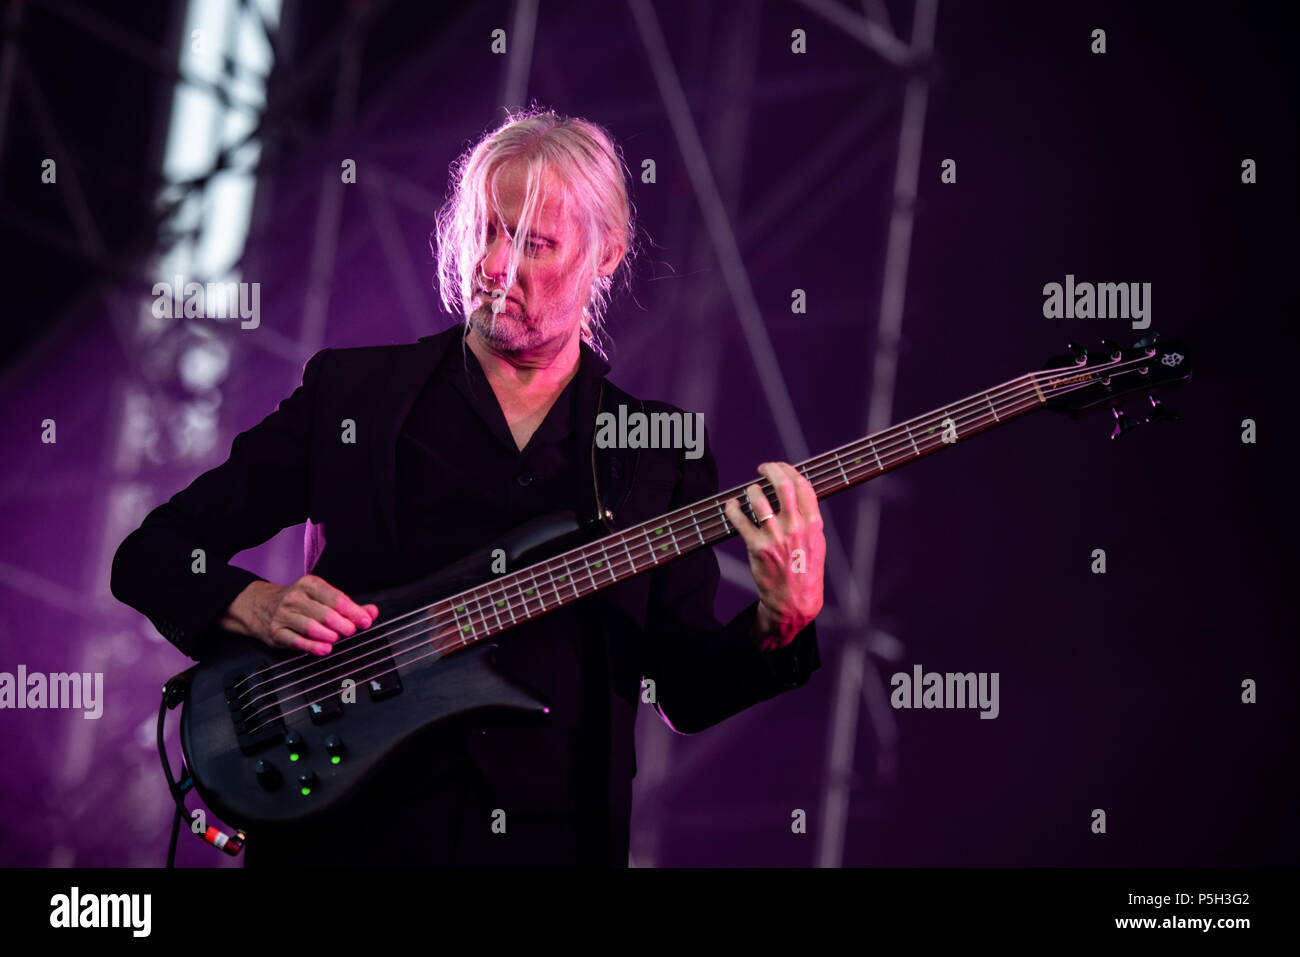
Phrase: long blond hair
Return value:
(584, 158)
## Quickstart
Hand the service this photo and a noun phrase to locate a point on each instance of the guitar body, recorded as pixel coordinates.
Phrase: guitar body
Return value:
(254, 762)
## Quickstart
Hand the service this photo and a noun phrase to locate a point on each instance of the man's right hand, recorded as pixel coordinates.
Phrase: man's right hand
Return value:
(309, 615)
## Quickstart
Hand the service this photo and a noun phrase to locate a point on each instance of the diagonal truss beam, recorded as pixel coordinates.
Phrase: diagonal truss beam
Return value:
(871, 33)
(857, 680)
(514, 86)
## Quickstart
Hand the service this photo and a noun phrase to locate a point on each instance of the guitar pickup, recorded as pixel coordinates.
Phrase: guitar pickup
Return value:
(384, 686)
(256, 727)
(325, 709)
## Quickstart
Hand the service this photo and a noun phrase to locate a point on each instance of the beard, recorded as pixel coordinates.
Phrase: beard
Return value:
(507, 331)
(514, 330)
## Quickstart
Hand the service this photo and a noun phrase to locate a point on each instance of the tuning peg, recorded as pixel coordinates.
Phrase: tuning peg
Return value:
(1123, 423)
(1158, 411)
(1079, 353)
(1147, 341)
(1110, 348)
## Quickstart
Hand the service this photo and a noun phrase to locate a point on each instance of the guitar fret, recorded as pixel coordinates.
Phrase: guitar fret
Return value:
(628, 552)
(482, 611)
(696, 522)
(471, 607)
(879, 464)
(555, 586)
(912, 440)
(929, 435)
(563, 579)
(496, 610)
(992, 408)
(645, 533)
(519, 584)
(839, 462)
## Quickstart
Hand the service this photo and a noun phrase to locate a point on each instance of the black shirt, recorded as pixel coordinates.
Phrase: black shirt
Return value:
(461, 482)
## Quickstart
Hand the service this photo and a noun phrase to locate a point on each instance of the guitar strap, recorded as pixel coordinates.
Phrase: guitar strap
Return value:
(614, 469)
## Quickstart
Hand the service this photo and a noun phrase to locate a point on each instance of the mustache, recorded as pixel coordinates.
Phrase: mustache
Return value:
(492, 294)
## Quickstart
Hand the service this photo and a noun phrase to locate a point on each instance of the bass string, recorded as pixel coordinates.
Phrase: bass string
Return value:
(445, 629)
(814, 475)
(473, 603)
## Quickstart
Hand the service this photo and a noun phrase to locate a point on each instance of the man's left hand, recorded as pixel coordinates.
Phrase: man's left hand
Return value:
(787, 553)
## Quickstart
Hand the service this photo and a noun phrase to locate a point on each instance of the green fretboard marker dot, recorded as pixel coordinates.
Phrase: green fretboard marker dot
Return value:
(856, 461)
(663, 548)
(464, 628)
(659, 531)
(529, 592)
(597, 565)
(461, 608)
(500, 603)
(563, 579)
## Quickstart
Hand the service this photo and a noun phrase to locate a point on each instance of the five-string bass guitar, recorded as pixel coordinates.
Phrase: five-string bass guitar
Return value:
(269, 739)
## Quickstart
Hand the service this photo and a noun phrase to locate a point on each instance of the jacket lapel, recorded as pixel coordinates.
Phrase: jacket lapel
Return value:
(412, 368)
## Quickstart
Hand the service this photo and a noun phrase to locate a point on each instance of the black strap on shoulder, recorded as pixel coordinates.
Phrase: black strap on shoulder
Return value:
(612, 469)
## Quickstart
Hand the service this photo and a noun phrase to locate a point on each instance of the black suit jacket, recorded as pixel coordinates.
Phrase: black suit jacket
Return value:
(293, 467)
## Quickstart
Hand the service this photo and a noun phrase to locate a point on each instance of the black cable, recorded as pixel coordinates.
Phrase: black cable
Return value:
(173, 694)
(169, 695)
(176, 832)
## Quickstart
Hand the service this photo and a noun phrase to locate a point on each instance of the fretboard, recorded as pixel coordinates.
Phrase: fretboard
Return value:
(513, 598)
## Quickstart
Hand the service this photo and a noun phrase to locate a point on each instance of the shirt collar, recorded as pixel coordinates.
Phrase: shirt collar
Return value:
(583, 388)
(590, 363)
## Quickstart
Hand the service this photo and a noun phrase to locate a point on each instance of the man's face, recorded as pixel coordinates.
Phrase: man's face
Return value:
(544, 306)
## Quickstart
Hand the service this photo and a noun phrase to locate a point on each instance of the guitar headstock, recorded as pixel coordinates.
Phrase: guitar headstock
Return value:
(1083, 381)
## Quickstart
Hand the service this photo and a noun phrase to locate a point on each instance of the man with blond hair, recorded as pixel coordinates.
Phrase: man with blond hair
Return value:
(460, 437)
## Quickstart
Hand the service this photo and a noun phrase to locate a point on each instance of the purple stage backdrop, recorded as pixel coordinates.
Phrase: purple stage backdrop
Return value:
(853, 211)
